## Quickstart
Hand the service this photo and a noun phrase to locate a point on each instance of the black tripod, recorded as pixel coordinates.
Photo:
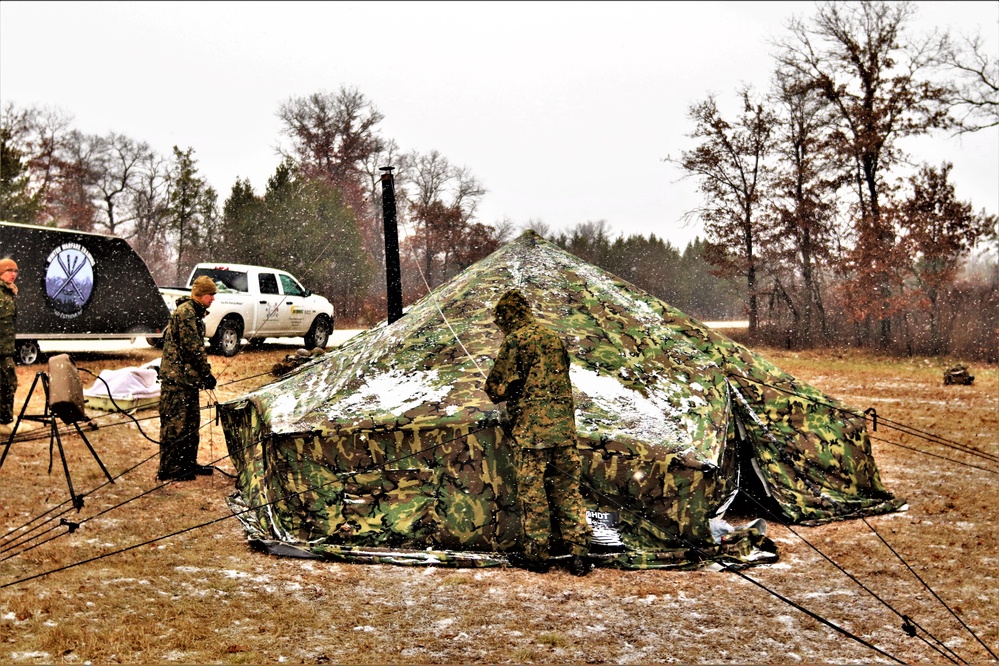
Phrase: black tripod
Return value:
(49, 418)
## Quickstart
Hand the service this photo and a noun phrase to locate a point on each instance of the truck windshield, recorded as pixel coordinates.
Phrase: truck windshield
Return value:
(234, 280)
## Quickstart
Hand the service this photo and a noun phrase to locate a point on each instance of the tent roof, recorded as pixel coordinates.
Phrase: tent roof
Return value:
(640, 371)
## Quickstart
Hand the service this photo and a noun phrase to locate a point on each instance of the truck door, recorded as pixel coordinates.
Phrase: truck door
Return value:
(293, 314)
(267, 318)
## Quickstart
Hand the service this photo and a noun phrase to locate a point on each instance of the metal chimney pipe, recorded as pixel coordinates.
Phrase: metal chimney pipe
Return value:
(393, 274)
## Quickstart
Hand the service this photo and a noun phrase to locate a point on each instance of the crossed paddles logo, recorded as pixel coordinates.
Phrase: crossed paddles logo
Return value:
(69, 279)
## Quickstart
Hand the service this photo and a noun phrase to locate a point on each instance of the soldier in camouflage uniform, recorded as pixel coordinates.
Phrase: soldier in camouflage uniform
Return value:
(531, 374)
(184, 370)
(8, 319)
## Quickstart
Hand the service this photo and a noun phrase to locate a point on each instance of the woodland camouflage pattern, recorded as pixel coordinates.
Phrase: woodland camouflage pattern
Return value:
(184, 369)
(531, 374)
(185, 362)
(8, 319)
(330, 466)
(8, 374)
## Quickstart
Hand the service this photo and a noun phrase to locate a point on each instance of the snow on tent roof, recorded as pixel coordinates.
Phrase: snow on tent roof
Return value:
(387, 448)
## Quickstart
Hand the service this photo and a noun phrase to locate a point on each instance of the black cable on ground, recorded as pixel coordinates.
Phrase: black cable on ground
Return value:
(233, 515)
(24, 538)
(932, 455)
(118, 407)
(935, 595)
(906, 620)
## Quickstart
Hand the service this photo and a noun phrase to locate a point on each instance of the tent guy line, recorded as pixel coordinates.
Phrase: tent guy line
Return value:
(71, 527)
(905, 619)
(641, 517)
(5, 547)
(728, 566)
(234, 514)
(895, 425)
(932, 455)
(931, 590)
(430, 294)
(24, 538)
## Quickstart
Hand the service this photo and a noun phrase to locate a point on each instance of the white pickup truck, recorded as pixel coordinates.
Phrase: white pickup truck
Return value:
(255, 302)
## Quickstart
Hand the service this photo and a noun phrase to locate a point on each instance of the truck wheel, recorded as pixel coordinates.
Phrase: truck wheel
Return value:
(227, 337)
(27, 352)
(319, 333)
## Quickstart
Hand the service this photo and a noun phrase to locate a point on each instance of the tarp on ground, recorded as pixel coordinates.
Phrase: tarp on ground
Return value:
(388, 450)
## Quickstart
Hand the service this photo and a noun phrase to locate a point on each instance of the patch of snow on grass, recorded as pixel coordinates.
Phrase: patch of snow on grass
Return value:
(242, 575)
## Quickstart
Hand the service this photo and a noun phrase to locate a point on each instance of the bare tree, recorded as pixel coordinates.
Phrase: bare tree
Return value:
(881, 88)
(805, 179)
(332, 136)
(442, 200)
(119, 163)
(373, 225)
(977, 74)
(539, 226)
(729, 164)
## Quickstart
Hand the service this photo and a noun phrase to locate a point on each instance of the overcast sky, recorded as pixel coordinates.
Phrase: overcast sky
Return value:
(563, 110)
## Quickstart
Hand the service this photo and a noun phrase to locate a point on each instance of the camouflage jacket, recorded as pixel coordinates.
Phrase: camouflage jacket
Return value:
(531, 374)
(185, 362)
(8, 319)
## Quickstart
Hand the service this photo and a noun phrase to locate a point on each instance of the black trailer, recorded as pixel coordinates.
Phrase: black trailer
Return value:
(78, 286)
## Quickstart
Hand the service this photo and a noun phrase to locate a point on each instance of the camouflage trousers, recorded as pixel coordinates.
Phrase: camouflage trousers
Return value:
(8, 386)
(180, 420)
(547, 489)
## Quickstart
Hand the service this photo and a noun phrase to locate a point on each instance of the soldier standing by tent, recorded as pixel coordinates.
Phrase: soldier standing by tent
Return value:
(531, 374)
(184, 370)
(8, 319)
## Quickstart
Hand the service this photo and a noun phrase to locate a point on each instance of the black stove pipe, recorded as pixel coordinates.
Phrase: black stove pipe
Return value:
(393, 274)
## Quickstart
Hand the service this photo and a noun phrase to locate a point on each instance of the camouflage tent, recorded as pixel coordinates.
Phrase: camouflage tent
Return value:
(388, 450)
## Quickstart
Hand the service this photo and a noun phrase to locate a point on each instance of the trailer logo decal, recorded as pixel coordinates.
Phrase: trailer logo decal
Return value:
(69, 279)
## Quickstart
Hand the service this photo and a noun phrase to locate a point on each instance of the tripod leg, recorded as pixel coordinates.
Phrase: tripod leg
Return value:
(93, 453)
(24, 407)
(77, 501)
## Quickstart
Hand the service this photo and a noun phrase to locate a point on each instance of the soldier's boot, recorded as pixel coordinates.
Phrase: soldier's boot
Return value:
(180, 476)
(579, 565)
(523, 562)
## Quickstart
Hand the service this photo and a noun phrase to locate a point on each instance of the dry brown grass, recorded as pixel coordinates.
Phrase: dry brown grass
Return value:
(203, 596)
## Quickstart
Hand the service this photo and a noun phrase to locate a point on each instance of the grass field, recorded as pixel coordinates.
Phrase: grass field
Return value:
(162, 574)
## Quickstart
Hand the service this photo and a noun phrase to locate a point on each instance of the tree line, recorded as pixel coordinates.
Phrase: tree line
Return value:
(811, 232)
(319, 215)
(805, 203)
